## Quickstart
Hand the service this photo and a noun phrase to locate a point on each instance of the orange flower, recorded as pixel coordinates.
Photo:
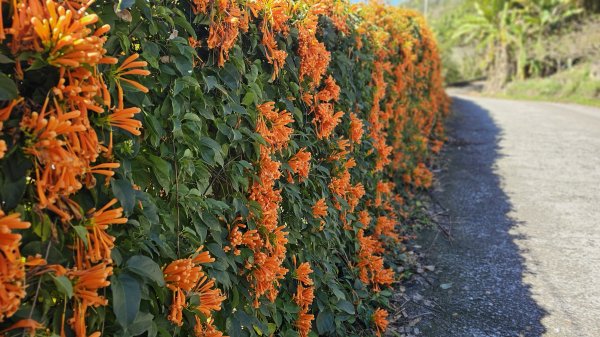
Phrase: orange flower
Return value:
(130, 66)
(99, 243)
(2, 148)
(275, 56)
(206, 329)
(63, 147)
(340, 185)
(314, 57)
(331, 91)
(6, 111)
(421, 176)
(187, 275)
(123, 119)
(304, 323)
(370, 264)
(65, 35)
(364, 217)
(12, 277)
(382, 189)
(275, 16)
(326, 120)
(319, 209)
(304, 298)
(87, 282)
(386, 226)
(272, 125)
(356, 128)
(210, 297)
(341, 152)
(380, 320)
(224, 29)
(268, 241)
(300, 163)
(28, 324)
(183, 273)
(356, 192)
(437, 145)
(303, 274)
(176, 313)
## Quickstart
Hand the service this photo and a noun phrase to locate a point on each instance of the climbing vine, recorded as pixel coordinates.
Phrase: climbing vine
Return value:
(209, 168)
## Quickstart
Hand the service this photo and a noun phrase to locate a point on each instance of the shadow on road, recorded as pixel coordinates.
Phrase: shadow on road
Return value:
(481, 266)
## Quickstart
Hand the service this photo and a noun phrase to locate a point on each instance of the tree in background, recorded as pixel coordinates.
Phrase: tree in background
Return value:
(489, 28)
(503, 31)
(591, 5)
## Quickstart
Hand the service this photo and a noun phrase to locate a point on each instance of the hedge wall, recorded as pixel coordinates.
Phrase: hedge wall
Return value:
(178, 168)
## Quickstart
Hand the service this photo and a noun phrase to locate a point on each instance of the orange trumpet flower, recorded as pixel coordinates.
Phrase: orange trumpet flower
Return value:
(380, 320)
(123, 119)
(319, 209)
(12, 277)
(300, 163)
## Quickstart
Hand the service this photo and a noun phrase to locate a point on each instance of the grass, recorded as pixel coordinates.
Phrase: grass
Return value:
(574, 85)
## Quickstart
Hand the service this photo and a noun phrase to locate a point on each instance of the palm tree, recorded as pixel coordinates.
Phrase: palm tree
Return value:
(504, 30)
(490, 26)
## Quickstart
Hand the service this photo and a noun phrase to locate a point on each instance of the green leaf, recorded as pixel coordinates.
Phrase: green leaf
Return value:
(8, 89)
(141, 324)
(162, 171)
(125, 4)
(248, 98)
(336, 291)
(211, 82)
(215, 147)
(346, 307)
(146, 267)
(183, 64)
(230, 75)
(151, 53)
(63, 285)
(123, 190)
(185, 82)
(42, 228)
(5, 59)
(82, 233)
(126, 298)
(11, 192)
(325, 322)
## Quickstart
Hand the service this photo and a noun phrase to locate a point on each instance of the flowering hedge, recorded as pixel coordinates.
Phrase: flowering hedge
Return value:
(209, 167)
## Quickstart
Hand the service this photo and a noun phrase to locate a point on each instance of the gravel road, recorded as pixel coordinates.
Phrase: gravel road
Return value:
(521, 186)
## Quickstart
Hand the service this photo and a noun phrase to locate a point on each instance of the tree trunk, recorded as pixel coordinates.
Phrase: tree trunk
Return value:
(500, 69)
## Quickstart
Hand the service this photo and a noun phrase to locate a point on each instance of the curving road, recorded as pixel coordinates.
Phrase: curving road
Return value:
(521, 188)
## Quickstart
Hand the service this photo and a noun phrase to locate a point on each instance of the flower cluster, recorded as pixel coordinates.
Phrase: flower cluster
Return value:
(300, 163)
(275, 14)
(304, 298)
(12, 277)
(62, 134)
(323, 180)
(370, 262)
(87, 282)
(269, 247)
(380, 321)
(185, 278)
(227, 19)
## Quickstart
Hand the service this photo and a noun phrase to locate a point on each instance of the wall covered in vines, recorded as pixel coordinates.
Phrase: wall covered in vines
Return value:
(209, 167)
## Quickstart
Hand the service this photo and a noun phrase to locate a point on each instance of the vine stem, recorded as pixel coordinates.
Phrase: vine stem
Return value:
(176, 194)
(37, 289)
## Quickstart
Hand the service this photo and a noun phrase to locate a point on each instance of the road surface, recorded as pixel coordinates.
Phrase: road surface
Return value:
(521, 186)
